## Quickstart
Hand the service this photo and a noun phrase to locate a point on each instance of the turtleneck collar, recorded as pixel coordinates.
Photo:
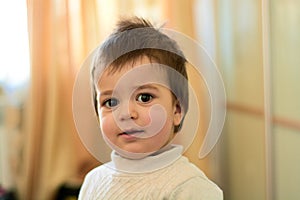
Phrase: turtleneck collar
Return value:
(158, 160)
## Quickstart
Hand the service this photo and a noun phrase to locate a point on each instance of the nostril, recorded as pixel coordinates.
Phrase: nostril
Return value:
(123, 117)
(126, 111)
(127, 116)
(133, 115)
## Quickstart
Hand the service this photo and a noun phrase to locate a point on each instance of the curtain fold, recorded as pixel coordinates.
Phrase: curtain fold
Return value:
(52, 151)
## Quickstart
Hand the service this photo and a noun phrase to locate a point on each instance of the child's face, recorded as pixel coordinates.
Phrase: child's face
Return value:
(136, 116)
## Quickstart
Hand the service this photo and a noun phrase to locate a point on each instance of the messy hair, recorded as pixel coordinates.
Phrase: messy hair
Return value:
(135, 38)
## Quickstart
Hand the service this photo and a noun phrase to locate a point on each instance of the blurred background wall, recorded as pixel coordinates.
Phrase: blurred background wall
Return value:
(255, 45)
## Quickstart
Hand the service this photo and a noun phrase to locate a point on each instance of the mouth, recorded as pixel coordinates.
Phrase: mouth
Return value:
(131, 132)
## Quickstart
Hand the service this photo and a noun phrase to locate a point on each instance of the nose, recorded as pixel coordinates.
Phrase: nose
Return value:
(127, 112)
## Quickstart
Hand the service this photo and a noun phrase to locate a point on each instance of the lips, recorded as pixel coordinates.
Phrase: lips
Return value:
(132, 133)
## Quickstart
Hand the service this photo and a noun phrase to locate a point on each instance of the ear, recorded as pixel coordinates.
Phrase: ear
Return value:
(178, 113)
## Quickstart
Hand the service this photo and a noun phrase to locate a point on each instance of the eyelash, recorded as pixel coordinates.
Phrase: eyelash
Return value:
(149, 97)
(107, 101)
(116, 101)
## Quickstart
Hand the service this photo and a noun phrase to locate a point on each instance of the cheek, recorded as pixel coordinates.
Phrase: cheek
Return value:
(165, 134)
(144, 117)
(168, 126)
(158, 120)
(167, 117)
(107, 125)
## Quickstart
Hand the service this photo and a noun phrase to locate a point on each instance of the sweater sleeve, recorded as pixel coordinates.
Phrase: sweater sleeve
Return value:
(197, 188)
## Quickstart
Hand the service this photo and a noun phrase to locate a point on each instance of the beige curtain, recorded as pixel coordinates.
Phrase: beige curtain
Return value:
(182, 18)
(60, 38)
(61, 34)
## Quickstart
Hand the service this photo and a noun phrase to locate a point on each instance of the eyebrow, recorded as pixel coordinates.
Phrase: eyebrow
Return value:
(141, 87)
(106, 93)
(147, 86)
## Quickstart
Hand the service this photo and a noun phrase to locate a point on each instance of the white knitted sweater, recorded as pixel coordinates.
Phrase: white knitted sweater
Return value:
(167, 175)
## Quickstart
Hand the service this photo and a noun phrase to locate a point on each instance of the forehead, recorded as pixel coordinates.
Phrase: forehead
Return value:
(138, 72)
(124, 65)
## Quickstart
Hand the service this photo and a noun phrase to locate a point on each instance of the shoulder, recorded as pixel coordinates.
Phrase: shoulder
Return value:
(92, 180)
(197, 188)
(186, 169)
(98, 173)
(99, 169)
(193, 183)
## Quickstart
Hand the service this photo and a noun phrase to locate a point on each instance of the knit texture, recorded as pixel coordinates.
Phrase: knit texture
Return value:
(178, 180)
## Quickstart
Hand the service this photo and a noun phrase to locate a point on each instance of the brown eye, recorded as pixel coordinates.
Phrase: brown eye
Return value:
(144, 98)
